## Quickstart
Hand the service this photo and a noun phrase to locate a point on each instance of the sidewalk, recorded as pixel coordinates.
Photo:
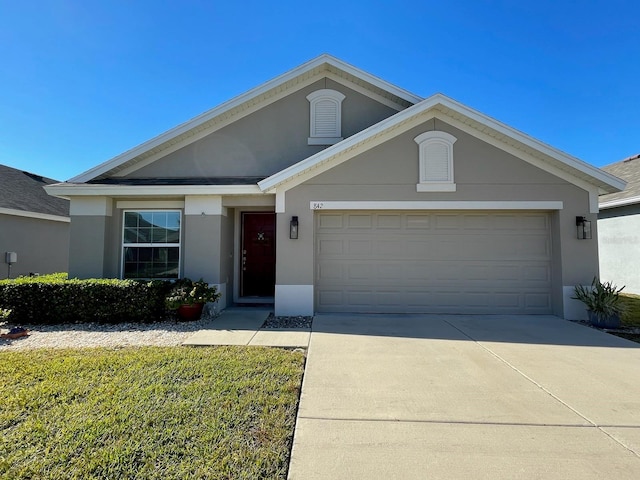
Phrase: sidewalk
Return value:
(242, 326)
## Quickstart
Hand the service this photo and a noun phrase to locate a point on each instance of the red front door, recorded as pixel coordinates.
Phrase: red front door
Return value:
(258, 267)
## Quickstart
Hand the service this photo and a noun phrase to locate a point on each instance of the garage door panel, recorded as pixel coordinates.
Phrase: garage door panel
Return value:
(449, 262)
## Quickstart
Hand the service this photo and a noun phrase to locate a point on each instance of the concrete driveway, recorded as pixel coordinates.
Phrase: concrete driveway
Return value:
(454, 397)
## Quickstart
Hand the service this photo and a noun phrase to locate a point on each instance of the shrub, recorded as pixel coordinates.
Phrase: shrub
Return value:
(187, 292)
(51, 299)
(603, 299)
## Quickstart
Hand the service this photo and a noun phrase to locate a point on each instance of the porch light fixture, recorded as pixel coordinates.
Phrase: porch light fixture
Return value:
(293, 228)
(583, 227)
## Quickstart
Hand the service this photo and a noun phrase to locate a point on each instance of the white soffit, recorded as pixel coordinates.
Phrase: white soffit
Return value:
(471, 121)
(250, 98)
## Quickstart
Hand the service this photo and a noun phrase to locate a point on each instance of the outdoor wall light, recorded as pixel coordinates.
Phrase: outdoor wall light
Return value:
(293, 228)
(583, 227)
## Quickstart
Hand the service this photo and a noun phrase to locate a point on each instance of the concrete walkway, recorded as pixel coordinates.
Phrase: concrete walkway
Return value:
(453, 397)
(241, 326)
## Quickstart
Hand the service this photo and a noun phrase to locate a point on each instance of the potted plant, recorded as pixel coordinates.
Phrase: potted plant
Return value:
(187, 298)
(603, 303)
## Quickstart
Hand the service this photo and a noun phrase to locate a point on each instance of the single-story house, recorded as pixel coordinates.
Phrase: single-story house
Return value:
(33, 225)
(328, 189)
(619, 228)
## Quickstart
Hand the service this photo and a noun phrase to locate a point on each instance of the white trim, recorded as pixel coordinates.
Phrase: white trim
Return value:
(203, 205)
(250, 96)
(364, 91)
(88, 189)
(280, 201)
(39, 216)
(424, 141)
(90, 206)
(436, 187)
(149, 204)
(435, 205)
(293, 300)
(621, 202)
(334, 98)
(419, 113)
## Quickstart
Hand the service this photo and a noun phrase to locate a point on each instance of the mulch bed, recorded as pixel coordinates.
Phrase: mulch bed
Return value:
(287, 322)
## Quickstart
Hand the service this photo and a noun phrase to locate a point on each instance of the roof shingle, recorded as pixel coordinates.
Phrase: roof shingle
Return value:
(20, 190)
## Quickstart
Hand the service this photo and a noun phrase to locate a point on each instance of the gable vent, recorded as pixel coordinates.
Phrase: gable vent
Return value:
(436, 163)
(435, 156)
(325, 112)
(326, 119)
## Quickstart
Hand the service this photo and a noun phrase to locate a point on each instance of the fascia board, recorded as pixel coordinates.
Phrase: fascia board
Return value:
(235, 102)
(531, 142)
(284, 176)
(84, 189)
(373, 80)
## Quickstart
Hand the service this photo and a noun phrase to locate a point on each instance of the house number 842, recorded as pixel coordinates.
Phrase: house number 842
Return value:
(317, 205)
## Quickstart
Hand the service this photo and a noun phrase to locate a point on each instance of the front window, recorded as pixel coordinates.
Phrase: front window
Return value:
(151, 244)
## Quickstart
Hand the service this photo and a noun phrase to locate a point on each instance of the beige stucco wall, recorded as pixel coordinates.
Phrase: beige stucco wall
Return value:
(42, 245)
(266, 141)
(89, 246)
(482, 172)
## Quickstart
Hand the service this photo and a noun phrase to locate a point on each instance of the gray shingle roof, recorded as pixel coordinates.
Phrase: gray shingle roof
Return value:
(629, 171)
(21, 190)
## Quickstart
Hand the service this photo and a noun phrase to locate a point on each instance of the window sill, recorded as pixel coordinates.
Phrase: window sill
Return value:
(324, 140)
(436, 187)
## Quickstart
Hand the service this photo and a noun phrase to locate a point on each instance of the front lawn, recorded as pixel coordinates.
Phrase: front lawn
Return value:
(161, 413)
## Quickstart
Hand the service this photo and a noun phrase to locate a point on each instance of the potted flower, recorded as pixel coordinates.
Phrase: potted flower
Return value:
(603, 303)
(187, 298)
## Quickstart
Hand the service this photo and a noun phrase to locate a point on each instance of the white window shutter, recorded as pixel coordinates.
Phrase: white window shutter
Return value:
(325, 117)
(435, 161)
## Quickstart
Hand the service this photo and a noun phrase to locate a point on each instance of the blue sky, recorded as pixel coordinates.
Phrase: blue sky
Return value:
(82, 81)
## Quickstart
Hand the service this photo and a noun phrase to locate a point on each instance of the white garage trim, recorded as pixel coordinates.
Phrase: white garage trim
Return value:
(434, 205)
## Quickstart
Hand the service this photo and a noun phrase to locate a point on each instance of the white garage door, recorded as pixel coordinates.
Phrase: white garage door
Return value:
(449, 262)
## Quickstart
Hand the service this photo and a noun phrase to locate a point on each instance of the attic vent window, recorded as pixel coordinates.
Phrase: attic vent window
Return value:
(436, 162)
(325, 117)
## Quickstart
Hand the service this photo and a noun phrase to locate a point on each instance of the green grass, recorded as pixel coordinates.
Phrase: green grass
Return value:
(631, 315)
(147, 413)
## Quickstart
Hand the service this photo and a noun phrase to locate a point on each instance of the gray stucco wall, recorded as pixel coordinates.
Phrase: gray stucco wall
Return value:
(266, 141)
(42, 245)
(90, 249)
(619, 242)
(482, 172)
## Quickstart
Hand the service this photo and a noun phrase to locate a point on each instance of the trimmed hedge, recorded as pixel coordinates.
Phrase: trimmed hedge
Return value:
(51, 299)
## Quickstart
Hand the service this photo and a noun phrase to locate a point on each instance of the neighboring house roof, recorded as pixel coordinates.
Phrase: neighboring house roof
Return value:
(23, 192)
(628, 170)
(242, 105)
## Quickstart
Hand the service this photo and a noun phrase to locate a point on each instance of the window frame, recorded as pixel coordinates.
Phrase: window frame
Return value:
(124, 245)
(424, 141)
(336, 98)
